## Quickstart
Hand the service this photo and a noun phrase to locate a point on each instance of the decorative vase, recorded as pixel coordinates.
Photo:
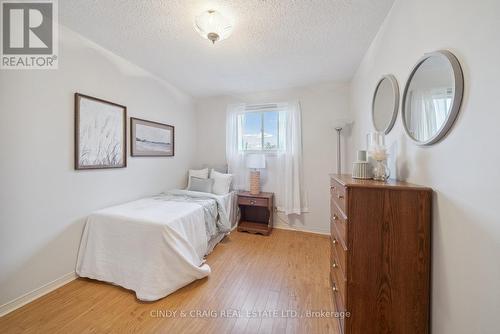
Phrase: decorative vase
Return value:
(361, 168)
(381, 172)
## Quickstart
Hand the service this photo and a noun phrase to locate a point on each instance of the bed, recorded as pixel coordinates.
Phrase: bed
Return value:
(155, 245)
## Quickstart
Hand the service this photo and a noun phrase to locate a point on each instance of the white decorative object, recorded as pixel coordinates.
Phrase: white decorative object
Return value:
(361, 155)
(375, 141)
(361, 170)
(255, 162)
(361, 167)
(213, 26)
(378, 152)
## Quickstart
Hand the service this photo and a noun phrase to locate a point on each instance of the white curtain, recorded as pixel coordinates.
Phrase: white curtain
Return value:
(235, 157)
(290, 192)
(429, 111)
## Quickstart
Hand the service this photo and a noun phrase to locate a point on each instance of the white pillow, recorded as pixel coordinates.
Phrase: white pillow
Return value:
(199, 173)
(222, 182)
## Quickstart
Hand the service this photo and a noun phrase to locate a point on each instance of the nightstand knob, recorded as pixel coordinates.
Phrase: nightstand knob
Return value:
(335, 217)
(334, 241)
(340, 196)
(252, 202)
(334, 265)
(334, 288)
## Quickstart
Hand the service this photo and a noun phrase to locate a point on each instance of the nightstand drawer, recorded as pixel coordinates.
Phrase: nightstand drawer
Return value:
(253, 201)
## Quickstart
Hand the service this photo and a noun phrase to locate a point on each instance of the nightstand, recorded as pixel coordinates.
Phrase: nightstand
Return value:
(256, 212)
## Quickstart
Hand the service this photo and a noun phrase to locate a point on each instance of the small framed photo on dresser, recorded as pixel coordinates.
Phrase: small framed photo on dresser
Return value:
(151, 139)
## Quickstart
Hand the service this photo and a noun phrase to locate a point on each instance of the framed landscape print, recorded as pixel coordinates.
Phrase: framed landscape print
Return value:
(100, 133)
(151, 139)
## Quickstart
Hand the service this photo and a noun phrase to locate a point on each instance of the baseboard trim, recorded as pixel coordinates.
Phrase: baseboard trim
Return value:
(37, 293)
(283, 226)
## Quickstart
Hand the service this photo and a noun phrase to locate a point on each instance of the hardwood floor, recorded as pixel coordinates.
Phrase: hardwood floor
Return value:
(287, 272)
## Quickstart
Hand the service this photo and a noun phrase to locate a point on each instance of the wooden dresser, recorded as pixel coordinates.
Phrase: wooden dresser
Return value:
(380, 255)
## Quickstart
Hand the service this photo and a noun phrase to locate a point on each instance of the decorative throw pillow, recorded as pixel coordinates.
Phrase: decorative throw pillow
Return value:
(199, 173)
(222, 182)
(201, 185)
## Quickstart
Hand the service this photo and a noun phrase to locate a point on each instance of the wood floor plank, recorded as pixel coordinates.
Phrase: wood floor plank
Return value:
(270, 276)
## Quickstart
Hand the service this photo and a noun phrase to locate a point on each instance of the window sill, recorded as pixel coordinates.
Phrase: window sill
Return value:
(266, 153)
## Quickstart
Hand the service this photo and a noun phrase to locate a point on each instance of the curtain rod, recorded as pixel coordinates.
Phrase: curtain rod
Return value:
(261, 106)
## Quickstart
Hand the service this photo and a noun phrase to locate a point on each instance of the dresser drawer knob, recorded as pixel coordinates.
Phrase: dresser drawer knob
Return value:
(252, 202)
(340, 196)
(334, 288)
(334, 241)
(335, 217)
(334, 265)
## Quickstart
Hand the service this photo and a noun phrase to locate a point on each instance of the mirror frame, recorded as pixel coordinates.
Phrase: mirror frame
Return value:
(457, 98)
(395, 88)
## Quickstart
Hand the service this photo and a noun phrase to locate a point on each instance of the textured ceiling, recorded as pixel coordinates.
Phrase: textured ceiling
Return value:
(275, 43)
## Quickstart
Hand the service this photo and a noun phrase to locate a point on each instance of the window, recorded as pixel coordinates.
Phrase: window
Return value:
(259, 131)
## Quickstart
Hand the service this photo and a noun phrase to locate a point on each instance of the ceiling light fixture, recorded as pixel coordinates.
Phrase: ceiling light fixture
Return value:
(213, 26)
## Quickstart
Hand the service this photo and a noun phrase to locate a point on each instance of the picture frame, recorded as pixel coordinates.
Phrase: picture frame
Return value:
(100, 133)
(151, 139)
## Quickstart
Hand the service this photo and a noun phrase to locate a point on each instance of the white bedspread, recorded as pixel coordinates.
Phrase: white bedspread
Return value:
(150, 246)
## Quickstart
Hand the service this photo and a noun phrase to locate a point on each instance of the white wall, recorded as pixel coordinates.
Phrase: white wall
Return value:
(43, 200)
(463, 169)
(321, 105)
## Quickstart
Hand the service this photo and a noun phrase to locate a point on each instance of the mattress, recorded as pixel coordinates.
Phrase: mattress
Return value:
(152, 246)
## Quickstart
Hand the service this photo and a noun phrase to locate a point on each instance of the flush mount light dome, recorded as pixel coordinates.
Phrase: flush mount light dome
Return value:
(213, 26)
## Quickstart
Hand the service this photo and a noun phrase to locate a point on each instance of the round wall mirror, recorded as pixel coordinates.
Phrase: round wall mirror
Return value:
(385, 104)
(432, 97)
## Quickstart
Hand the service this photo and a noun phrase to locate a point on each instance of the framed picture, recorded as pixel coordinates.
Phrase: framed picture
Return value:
(100, 133)
(151, 139)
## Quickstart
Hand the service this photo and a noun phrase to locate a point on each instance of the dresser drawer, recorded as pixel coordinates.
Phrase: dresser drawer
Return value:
(252, 201)
(338, 281)
(339, 252)
(338, 195)
(341, 315)
(339, 227)
(338, 289)
(332, 229)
